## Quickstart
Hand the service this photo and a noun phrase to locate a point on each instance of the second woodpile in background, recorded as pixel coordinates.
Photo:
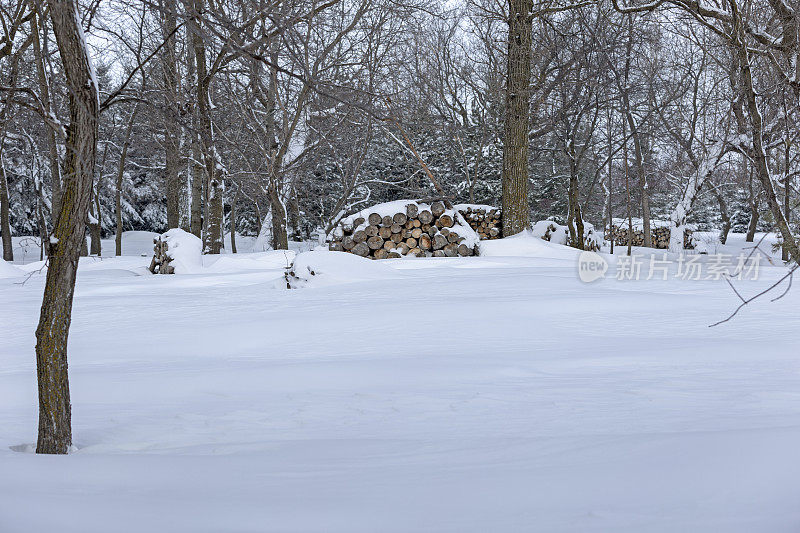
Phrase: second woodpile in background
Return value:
(484, 219)
(659, 234)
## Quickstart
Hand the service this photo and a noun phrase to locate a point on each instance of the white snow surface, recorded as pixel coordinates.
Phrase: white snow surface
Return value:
(7, 270)
(486, 207)
(492, 393)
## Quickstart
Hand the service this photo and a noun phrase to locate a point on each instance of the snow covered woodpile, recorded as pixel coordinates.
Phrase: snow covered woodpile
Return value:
(176, 252)
(551, 231)
(405, 228)
(659, 233)
(160, 263)
(486, 220)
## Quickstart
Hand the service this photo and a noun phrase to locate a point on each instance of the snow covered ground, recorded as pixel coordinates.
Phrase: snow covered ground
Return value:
(496, 393)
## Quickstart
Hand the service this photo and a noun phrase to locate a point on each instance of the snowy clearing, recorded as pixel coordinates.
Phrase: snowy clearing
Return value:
(493, 393)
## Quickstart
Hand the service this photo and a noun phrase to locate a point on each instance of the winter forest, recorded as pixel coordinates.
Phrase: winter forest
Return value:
(429, 265)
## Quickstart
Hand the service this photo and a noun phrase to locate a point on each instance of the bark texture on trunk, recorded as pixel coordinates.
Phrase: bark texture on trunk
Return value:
(638, 152)
(44, 94)
(118, 183)
(233, 223)
(196, 198)
(5, 219)
(752, 224)
(280, 235)
(55, 425)
(574, 217)
(195, 170)
(5, 201)
(95, 227)
(638, 145)
(724, 216)
(171, 122)
(516, 214)
(212, 242)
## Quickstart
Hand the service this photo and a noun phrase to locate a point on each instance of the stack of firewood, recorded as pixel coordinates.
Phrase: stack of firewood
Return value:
(406, 228)
(484, 219)
(659, 234)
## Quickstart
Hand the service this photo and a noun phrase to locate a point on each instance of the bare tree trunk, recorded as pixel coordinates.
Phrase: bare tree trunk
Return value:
(40, 220)
(196, 167)
(259, 220)
(627, 184)
(5, 201)
(120, 173)
(638, 149)
(84, 247)
(5, 219)
(294, 212)
(753, 224)
(198, 177)
(516, 214)
(280, 237)
(724, 215)
(233, 222)
(574, 217)
(50, 135)
(610, 183)
(95, 227)
(171, 123)
(753, 202)
(787, 187)
(638, 153)
(212, 242)
(55, 422)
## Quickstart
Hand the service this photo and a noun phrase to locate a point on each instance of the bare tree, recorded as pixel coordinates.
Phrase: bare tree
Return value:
(55, 423)
(516, 213)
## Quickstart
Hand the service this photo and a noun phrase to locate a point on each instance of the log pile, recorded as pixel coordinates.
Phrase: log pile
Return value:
(659, 234)
(160, 263)
(484, 219)
(177, 252)
(551, 231)
(405, 228)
